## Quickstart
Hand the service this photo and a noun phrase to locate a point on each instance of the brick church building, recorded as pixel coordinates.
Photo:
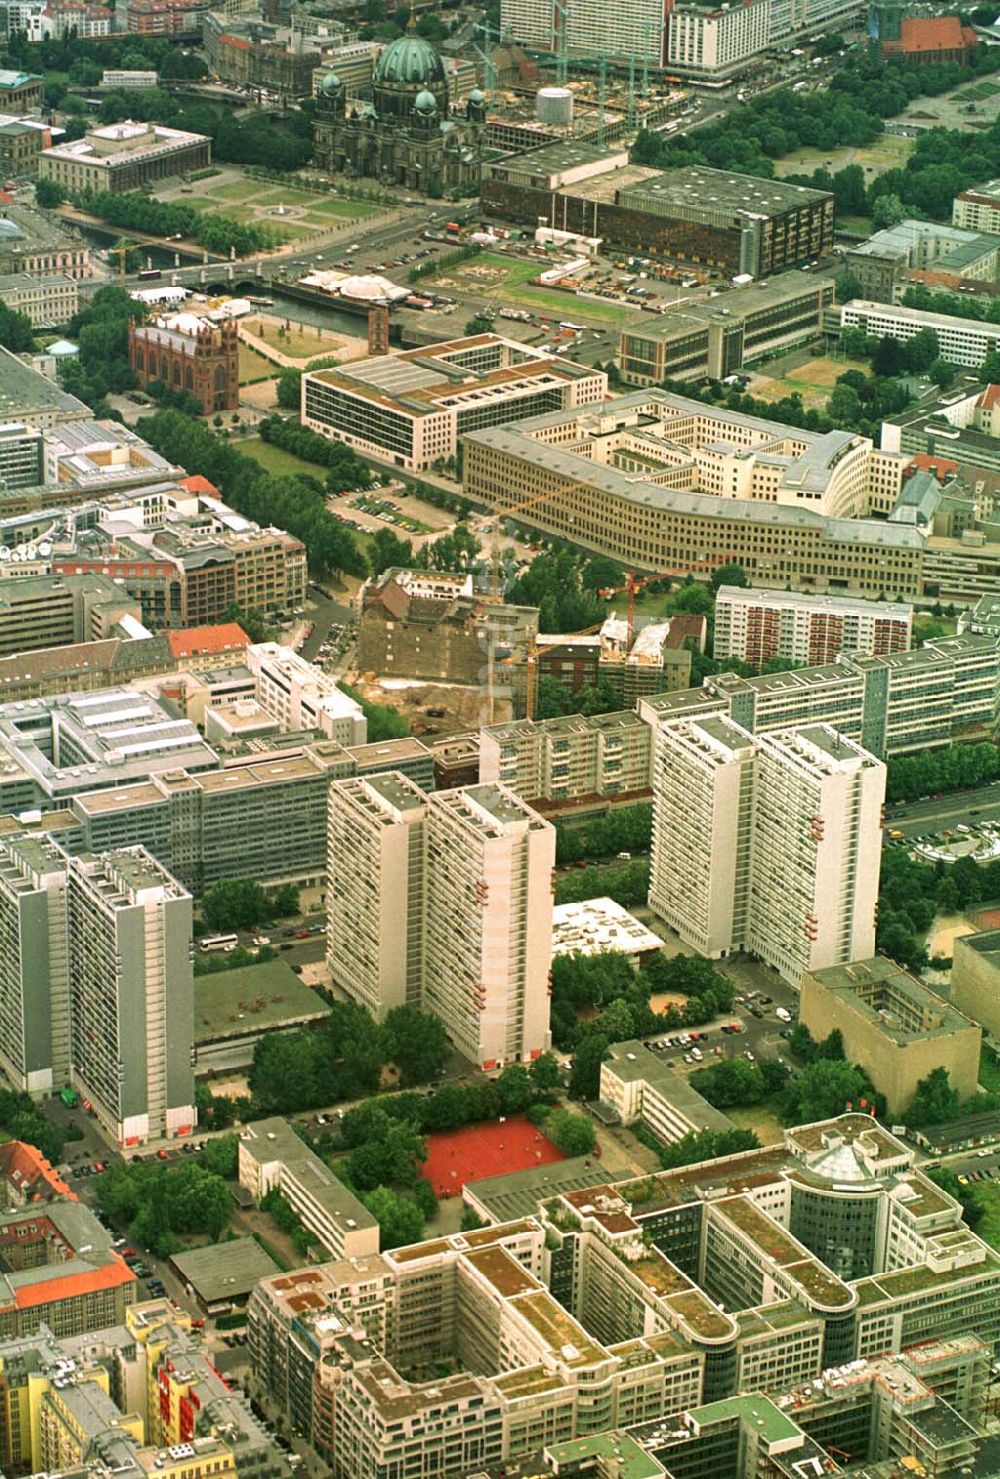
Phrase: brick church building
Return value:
(189, 353)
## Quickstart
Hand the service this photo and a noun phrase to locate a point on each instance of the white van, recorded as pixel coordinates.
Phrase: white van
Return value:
(782, 1014)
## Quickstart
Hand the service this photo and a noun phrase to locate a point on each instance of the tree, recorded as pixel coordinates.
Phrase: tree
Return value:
(234, 903)
(389, 1156)
(848, 286)
(585, 1073)
(479, 324)
(417, 1043)
(16, 333)
(731, 574)
(400, 1220)
(48, 194)
(285, 901)
(601, 573)
(887, 211)
(693, 599)
(844, 406)
(387, 551)
(922, 350)
(253, 622)
(284, 1074)
(290, 389)
(706, 1145)
(571, 1133)
(825, 1089)
(934, 1100)
(941, 373)
(515, 1089)
(384, 722)
(545, 1073)
(889, 357)
(221, 1156)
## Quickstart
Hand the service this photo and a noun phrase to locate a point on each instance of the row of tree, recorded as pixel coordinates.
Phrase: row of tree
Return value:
(133, 211)
(626, 829)
(241, 903)
(345, 469)
(949, 768)
(297, 504)
(163, 1204)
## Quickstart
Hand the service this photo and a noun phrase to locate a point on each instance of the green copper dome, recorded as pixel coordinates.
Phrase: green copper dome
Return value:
(410, 60)
(425, 102)
(331, 84)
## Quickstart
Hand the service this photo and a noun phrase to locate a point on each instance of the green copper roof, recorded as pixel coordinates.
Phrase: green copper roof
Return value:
(411, 60)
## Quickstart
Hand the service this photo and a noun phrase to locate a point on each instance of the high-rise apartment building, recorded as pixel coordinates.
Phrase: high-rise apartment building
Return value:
(34, 964)
(771, 844)
(131, 994)
(489, 923)
(444, 901)
(375, 891)
(817, 846)
(702, 826)
(758, 625)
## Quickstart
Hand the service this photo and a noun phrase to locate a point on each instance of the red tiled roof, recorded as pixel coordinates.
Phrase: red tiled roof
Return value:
(111, 1275)
(24, 1166)
(228, 636)
(197, 484)
(990, 397)
(934, 33)
(930, 462)
(687, 625)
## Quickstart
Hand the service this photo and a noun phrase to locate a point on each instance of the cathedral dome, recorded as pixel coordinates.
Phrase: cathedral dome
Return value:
(331, 84)
(409, 61)
(425, 102)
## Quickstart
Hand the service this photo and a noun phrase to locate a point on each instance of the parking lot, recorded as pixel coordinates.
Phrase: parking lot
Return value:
(758, 1026)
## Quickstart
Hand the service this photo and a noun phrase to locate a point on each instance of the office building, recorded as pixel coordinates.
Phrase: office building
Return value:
(189, 352)
(665, 483)
(301, 696)
(444, 901)
(974, 988)
(425, 624)
(131, 1002)
(375, 891)
(978, 208)
(627, 1306)
(39, 611)
(698, 41)
(893, 1026)
(771, 844)
(411, 408)
(758, 625)
(61, 1271)
(47, 301)
(719, 339)
(961, 341)
(124, 156)
(569, 760)
(934, 695)
(31, 398)
(274, 1157)
(884, 262)
(738, 223)
(637, 1087)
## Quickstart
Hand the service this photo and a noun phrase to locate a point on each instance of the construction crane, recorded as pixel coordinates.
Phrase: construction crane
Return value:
(121, 251)
(632, 585)
(630, 588)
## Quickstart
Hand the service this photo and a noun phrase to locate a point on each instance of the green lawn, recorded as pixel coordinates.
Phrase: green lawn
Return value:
(989, 1072)
(987, 1196)
(765, 1124)
(282, 464)
(353, 210)
(236, 190)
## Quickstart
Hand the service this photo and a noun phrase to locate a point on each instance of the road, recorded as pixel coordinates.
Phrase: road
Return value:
(913, 818)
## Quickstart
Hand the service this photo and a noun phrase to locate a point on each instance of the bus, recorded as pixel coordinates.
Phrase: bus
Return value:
(219, 942)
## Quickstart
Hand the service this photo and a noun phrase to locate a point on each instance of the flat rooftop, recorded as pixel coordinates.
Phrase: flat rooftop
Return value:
(24, 390)
(697, 188)
(252, 1000)
(901, 1006)
(518, 1193)
(633, 1062)
(224, 1271)
(599, 926)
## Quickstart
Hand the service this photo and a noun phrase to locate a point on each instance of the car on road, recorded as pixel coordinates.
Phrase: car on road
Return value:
(982, 1154)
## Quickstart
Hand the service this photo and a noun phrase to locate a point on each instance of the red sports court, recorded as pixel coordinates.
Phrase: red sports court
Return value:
(477, 1151)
